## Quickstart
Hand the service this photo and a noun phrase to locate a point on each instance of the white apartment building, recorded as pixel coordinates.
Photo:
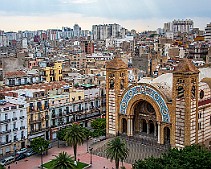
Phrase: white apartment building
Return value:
(102, 32)
(13, 128)
(208, 32)
(179, 26)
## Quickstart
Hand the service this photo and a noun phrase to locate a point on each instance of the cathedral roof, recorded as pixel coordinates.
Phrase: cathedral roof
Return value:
(186, 66)
(116, 63)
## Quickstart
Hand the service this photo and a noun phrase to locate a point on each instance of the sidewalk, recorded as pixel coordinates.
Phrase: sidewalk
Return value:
(97, 162)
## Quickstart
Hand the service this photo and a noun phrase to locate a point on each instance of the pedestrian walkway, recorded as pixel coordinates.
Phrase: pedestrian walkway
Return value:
(34, 162)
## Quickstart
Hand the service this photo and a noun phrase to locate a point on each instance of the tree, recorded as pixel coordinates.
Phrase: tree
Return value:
(2, 167)
(75, 136)
(61, 134)
(39, 145)
(117, 150)
(193, 157)
(63, 161)
(99, 126)
(99, 123)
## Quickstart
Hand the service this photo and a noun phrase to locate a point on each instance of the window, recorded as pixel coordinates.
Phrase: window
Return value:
(5, 116)
(14, 125)
(79, 97)
(122, 84)
(199, 126)
(193, 91)
(180, 131)
(111, 84)
(6, 127)
(180, 93)
(199, 115)
(201, 94)
(210, 120)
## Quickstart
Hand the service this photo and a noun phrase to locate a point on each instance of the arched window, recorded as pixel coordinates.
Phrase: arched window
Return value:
(122, 84)
(111, 84)
(201, 94)
(193, 91)
(180, 92)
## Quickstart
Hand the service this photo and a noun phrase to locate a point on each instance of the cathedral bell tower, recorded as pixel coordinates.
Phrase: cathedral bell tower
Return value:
(185, 103)
(116, 83)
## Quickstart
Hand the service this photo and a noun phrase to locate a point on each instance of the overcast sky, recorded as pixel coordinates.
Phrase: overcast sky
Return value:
(132, 14)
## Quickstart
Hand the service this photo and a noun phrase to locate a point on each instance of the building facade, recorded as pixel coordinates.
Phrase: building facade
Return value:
(172, 109)
(13, 128)
(53, 73)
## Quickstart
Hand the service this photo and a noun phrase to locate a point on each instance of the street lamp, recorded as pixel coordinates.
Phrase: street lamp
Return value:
(90, 149)
(41, 150)
(15, 152)
(87, 144)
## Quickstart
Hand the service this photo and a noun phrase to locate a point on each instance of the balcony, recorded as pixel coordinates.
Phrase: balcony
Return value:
(15, 129)
(46, 116)
(5, 132)
(31, 109)
(14, 118)
(22, 127)
(5, 121)
(23, 138)
(7, 142)
(21, 117)
(39, 108)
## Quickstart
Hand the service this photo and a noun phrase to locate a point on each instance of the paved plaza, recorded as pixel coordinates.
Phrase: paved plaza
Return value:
(138, 149)
(33, 162)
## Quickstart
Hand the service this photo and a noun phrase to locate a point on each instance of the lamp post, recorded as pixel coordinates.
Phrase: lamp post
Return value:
(87, 144)
(15, 153)
(90, 149)
(41, 150)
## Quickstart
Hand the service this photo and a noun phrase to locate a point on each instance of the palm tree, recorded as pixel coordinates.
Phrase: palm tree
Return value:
(117, 150)
(75, 136)
(63, 161)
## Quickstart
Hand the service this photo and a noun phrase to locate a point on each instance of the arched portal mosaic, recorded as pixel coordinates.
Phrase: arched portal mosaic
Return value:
(148, 91)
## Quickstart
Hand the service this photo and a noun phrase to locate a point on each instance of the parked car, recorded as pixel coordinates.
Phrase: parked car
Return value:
(50, 146)
(7, 160)
(30, 152)
(22, 150)
(20, 156)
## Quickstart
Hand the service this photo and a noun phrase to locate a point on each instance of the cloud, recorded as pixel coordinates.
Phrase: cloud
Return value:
(78, 1)
(137, 14)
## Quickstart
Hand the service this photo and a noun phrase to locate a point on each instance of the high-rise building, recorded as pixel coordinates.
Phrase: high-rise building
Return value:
(179, 26)
(102, 32)
(208, 32)
(77, 30)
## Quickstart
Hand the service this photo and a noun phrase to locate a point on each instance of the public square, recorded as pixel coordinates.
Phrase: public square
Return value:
(34, 161)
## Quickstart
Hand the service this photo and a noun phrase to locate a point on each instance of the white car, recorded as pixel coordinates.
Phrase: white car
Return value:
(23, 150)
(7, 160)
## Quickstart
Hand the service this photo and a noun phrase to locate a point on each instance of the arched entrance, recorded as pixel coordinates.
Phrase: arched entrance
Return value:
(146, 111)
(144, 119)
(124, 126)
(166, 135)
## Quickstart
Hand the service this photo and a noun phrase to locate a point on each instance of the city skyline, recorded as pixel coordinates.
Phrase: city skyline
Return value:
(141, 15)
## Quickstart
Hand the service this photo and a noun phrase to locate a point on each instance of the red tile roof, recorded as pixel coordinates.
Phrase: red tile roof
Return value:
(15, 74)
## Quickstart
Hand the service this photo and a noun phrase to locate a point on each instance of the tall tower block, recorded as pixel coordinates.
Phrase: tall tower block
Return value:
(116, 83)
(185, 102)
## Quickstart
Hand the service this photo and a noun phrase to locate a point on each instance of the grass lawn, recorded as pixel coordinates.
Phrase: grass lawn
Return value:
(79, 165)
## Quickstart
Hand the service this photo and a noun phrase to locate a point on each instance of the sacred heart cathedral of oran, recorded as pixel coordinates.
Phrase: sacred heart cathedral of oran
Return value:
(173, 109)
